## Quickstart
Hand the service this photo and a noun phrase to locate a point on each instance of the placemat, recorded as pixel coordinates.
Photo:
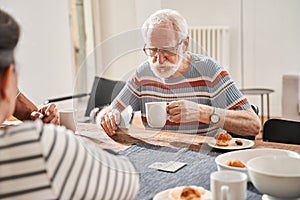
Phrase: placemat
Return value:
(197, 172)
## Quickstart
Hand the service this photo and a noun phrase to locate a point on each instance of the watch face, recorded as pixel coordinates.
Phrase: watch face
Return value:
(214, 118)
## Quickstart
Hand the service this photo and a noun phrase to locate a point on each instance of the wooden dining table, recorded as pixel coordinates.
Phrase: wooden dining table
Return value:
(137, 134)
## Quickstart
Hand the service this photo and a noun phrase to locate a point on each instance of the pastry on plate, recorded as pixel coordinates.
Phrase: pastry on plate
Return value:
(235, 163)
(189, 193)
(223, 139)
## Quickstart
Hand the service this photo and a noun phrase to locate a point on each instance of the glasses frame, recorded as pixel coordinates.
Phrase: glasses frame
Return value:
(167, 51)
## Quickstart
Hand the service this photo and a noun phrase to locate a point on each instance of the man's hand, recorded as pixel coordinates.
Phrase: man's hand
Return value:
(109, 119)
(47, 113)
(183, 111)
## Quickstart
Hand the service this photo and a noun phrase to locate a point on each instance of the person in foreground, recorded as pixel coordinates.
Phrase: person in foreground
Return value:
(202, 98)
(45, 161)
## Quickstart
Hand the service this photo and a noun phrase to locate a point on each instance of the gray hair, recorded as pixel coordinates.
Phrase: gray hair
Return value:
(166, 16)
(9, 36)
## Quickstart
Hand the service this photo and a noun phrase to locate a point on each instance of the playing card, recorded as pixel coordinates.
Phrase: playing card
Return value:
(157, 165)
(170, 166)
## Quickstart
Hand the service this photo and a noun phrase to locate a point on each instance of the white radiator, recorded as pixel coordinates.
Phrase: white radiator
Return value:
(212, 41)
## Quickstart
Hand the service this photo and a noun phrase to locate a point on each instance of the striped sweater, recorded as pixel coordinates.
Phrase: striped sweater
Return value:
(40, 161)
(205, 82)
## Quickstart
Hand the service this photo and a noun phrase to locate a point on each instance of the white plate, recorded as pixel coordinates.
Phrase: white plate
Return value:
(164, 195)
(232, 145)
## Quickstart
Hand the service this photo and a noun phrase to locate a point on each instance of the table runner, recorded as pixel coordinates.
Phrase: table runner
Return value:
(197, 172)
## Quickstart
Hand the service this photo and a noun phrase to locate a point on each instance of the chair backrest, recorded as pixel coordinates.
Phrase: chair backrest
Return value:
(255, 108)
(284, 131)
(103, 93)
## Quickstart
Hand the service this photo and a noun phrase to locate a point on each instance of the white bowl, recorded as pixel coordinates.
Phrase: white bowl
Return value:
(276, 176)
(245, 155)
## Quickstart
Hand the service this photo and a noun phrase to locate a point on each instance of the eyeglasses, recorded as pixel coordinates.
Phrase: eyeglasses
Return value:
(167, 51)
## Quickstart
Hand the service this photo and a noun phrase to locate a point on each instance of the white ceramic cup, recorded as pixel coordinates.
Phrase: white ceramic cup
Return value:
(228, 185)
(156, 113)
(68, 118)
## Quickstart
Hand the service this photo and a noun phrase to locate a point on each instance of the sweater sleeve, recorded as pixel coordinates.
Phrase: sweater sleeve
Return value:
(223, 90)
(81, 171)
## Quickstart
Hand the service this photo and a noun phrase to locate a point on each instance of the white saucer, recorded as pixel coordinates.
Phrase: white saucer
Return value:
(164, 195)
(268, 197)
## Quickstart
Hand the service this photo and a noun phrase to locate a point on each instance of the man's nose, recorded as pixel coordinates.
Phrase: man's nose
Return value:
(161, 57)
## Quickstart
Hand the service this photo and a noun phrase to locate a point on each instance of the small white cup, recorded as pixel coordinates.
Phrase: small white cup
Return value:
(68, 118)
(156, 113)
(226, 185)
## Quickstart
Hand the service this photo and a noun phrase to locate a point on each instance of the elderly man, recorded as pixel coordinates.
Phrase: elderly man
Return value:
(202, 97)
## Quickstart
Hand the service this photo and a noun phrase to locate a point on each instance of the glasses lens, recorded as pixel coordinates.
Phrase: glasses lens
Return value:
(170, 51)
(151, 51)
(167, 51)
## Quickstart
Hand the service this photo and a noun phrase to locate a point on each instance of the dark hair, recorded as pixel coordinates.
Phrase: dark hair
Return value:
(9, 36)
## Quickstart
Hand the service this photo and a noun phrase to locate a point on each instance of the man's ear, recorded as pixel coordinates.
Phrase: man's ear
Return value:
(5, 81)
(186, 43)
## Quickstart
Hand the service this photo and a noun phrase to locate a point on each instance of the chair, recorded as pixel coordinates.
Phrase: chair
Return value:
(291, 97)
(103, 93)
(283, 131)
(256, 110)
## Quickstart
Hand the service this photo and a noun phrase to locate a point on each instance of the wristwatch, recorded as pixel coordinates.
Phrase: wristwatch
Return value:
(215, 117)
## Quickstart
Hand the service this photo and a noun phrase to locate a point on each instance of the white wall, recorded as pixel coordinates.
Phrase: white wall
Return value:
(272, 45)
(119, 48)
(114, 19)
(44, 55)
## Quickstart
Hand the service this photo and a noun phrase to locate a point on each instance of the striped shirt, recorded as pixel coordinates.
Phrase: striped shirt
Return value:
(40, 161)
(205, 82)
